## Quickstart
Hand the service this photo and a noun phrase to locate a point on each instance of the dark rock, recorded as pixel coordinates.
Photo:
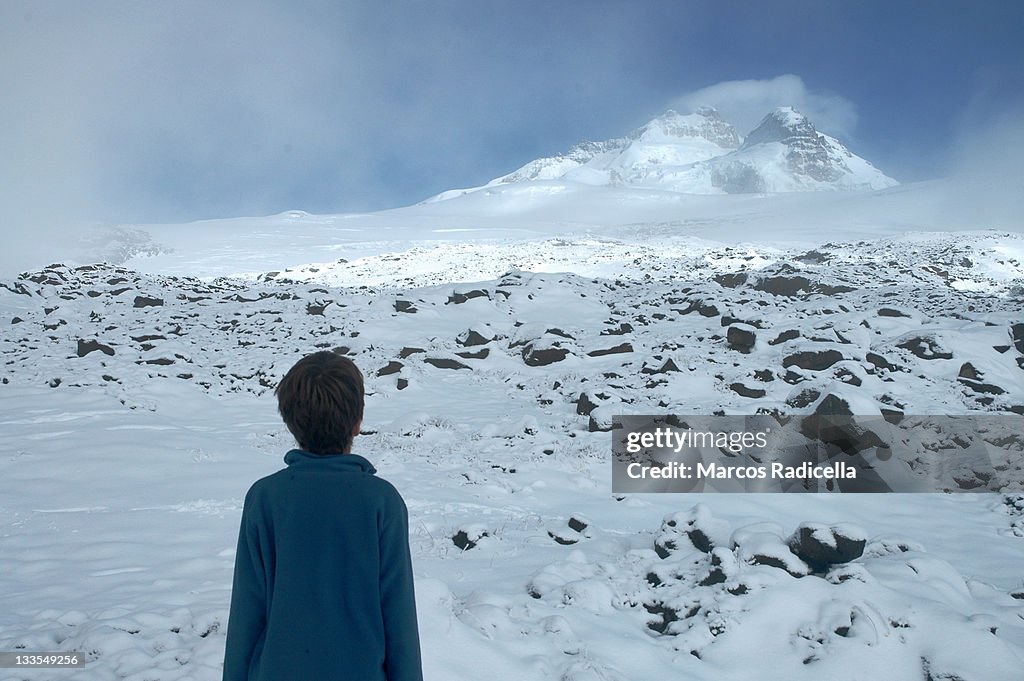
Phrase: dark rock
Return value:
(472, 338)
(459, 298)
(442, 363)
(623, 329)
(979, 387)
(618, 349)
(584, 405)
(764, 375)
(968, 370)
(406, 352)
(598, 426)
(464, 542)
(848, 377)
(744, 391)
(85, 347)
(731, 280)
(925, 347)
(539, 357)
(391, 368)
(402, 383)
(804, 398)
(664, 546)
(880, 362)
(787, 335)
(741, 339)
(143, 301)
(668, 366)
(813, 257)
(317, 308)
(834, 424)
(813, 360)
(559, 332)
(148, 337)
(716, 576)
(17, 320)
(820, 546)
(405, 306)
(667, 614)
(776, 562)
(787, 287)
(1017, 331)
(577, 525)
(890, 312)
(479, 354)
(564, 541)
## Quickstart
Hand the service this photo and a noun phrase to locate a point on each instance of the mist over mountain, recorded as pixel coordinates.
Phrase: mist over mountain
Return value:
(700, 153)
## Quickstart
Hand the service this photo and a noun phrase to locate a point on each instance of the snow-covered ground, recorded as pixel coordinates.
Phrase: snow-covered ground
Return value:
(137, 408)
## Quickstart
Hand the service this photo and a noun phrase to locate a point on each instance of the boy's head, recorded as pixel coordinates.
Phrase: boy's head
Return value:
(321, 402)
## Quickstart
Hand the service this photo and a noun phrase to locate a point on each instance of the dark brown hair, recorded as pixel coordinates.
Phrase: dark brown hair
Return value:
(321, 401)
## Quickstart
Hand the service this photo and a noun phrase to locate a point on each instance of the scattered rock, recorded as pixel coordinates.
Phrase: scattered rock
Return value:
(803, 398)
(623, 329)
(744, 391)
(468, 537)
(787, 335)
(87, 346)
(1017, 334)
(443, 363)
(618, 349)
(584, 405)
(143, 301)
(813, 360)
(459, 298)
(880, 362)
(741, 337)
(317, 308)
(925, 347)
(821, 546)
(472, 337)
(891, 312)
(392, 367)
(543, 356)
(668, 366)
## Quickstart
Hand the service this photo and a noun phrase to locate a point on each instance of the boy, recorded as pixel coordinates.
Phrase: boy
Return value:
(323, 584)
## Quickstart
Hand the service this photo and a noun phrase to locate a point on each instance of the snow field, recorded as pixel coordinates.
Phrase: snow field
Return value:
(123, 471)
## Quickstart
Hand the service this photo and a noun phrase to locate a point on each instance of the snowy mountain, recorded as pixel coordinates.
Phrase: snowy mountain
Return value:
(699, 153)
(786, 153)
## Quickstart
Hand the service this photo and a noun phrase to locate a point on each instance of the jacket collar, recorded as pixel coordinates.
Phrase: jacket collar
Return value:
(347, 462)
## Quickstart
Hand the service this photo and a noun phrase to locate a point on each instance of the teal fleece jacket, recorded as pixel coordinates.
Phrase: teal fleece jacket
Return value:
(323, 586)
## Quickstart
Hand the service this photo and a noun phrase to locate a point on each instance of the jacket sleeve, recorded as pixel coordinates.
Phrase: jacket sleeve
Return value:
(247, 617)
(398, 602)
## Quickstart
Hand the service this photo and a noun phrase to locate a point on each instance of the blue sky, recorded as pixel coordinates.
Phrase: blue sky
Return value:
(145, 111)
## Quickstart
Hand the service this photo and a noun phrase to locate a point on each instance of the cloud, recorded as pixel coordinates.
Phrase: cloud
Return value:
(985, 183)
(745, 102)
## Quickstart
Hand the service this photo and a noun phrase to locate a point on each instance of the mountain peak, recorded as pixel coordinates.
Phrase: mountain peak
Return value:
(704, 123)
(701, 153)
(781, 125)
